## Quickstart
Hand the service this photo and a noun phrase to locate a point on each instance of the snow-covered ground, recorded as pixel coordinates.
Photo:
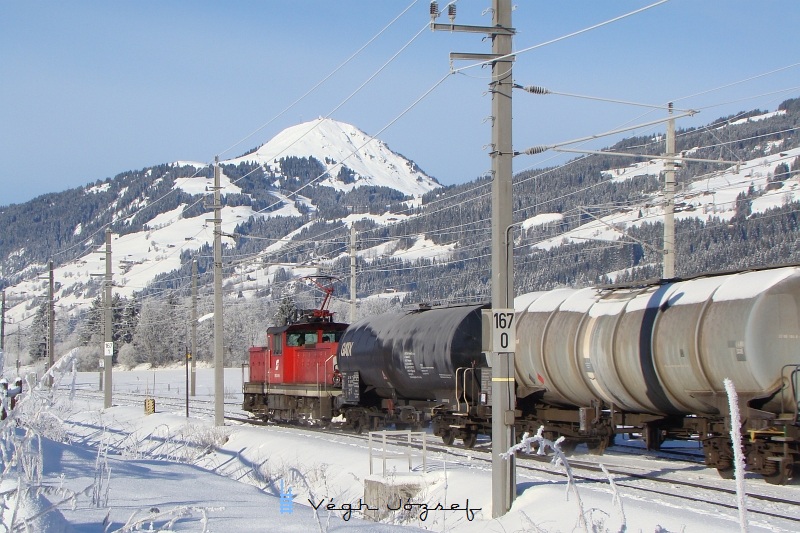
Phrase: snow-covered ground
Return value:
(119, 469)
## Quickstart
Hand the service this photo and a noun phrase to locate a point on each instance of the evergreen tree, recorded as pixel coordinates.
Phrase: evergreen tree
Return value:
(285, 312)
(38, 333)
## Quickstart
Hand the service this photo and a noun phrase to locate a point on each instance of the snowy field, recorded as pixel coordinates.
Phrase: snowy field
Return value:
(120, 469)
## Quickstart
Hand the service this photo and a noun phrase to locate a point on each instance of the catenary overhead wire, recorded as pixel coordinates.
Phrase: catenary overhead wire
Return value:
(327, 172)
(368, 141)
(612, 20)
(751, 78)
(439, 232)
(102, 228)
(563, 37)
(314, 88)
(324, 79)
(550, 200)
(330, 113)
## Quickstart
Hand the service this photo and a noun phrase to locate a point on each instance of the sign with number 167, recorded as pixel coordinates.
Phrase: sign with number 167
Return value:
(504, 330)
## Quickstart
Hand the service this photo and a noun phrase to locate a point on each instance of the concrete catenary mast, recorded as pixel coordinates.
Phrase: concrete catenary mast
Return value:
(502, 363)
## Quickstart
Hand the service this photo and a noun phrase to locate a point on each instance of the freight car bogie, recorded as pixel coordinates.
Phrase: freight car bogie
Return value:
(374, 418)
(596, 442)
(408, 417)
(592, 426)
(782, 472)
(450, 425)
(359, 418)
(774, 453)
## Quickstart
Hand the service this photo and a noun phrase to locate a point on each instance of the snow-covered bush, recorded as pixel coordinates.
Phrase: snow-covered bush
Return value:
(586, 519)
(25, 503)
(128, 356)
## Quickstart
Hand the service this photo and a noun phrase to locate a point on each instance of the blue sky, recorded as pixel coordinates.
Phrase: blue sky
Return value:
(90, 89)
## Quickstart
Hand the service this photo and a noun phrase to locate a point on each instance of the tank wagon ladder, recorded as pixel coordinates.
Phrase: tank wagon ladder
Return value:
(461, 392)
(469, 433)
(465, 421)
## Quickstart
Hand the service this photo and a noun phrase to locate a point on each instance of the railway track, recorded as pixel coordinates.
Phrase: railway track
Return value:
(647, 482)
(664, 454)
(171, 403)
(664, 474)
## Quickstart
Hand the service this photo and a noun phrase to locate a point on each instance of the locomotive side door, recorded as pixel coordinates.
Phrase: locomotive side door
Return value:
(276, 363)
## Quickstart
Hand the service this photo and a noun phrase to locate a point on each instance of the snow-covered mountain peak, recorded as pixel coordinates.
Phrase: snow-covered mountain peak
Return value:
(339, 145)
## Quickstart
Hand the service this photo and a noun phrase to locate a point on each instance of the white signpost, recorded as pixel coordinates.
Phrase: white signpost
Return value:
(504, 331)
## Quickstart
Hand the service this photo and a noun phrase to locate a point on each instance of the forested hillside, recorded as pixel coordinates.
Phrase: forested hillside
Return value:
(433, 249)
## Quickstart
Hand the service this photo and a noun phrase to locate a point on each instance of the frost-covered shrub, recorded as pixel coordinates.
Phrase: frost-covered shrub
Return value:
(26, 504)
(88, 357)
(128, 356)
(593, 519)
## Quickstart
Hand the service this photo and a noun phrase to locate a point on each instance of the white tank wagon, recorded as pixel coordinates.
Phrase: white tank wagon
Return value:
(653, 359)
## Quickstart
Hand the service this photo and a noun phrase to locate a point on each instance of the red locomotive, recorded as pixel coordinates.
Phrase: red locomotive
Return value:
(295, 377)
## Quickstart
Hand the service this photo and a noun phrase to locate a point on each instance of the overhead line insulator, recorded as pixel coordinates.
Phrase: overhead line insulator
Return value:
(533, 150)
(533, 89)
(434, 10)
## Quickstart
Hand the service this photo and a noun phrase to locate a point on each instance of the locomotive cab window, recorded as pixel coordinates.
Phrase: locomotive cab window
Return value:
(332, 336)
(276, 344)
(301, 338)
(293, 339)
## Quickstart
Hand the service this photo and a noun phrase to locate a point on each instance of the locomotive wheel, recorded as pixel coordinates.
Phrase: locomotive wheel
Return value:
(783, 475)
(448, 437)
(358, 426)
(470, 440)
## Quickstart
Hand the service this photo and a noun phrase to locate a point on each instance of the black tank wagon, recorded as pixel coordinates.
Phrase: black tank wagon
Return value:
(398, 367)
